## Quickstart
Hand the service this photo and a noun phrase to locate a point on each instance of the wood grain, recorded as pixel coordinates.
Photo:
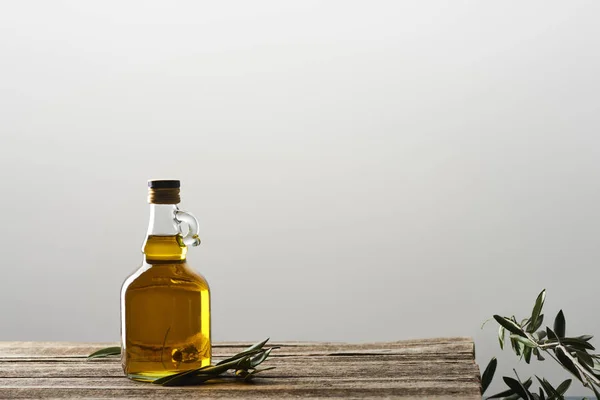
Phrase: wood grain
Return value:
(418, 369)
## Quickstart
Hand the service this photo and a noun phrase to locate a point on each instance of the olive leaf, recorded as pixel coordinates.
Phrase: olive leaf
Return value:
(577, 343)
(258, 359)
(250, 350)
(564, 386)
(251, 375)
(584, 358)
(541, 394)
(551, 335)
(550, 390)
(188, 378)
(525, 341)
(510, 325)
(517, 387)
(538, 354)
(107, 352)
(535, 326)
(488, 374)
(568, 362)
(510, 394)
(596, 393)
(560, 324)
(181, 376)
(527, 354)
(501, 332)
(537, 309)
(502, 395)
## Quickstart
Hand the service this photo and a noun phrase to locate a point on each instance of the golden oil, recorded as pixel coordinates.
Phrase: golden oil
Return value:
(165, 308)
(164, 248)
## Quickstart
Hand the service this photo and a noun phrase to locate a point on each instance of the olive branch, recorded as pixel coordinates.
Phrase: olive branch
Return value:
(528, 339)
(243, 366)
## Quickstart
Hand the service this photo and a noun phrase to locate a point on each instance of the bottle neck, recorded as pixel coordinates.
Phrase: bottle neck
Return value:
(163, 239)
(162, 220)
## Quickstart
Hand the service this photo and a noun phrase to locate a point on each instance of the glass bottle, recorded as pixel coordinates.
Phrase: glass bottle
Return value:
(165, 305)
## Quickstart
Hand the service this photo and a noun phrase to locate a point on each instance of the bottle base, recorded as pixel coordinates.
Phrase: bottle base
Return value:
(151, 376)
(149, 372)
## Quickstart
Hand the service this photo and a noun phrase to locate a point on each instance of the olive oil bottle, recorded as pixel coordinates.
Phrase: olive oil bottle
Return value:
(165, 305)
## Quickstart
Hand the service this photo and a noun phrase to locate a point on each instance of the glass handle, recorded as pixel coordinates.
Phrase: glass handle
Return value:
(190, 238)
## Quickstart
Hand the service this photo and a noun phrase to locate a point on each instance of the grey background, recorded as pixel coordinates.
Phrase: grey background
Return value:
(362, 171)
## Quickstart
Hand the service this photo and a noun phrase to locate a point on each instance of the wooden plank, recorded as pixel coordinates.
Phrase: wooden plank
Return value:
(358, 391)
(418, 369)
(329, 367)
(463, 346)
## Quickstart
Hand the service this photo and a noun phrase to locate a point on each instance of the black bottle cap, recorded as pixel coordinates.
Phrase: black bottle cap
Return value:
(163, 184)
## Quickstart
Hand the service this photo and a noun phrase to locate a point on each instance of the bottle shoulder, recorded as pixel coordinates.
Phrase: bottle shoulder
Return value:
(165, 274)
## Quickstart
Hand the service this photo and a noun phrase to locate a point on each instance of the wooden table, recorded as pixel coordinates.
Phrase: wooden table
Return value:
(416, 369)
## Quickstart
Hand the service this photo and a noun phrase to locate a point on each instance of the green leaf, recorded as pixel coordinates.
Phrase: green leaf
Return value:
(550, 391)
(516, 346)
(568, 363)
(537, 307)
(539, 335)
(527, 354)
(525, 341)
(251, 375)
(501, 332)
(560, 324)
(107, 352)
(192, 377)
(510, 325)
(535, 326)
(513, 397)
(577, 343)
(246, 362)
(250, 350)
(517, 387)
(586, 338)
(551, 335)
(259, 358)
(510, 394)
(488, 374)
(542, 395)
(596, 393)
(502, 395)
(538, 354)
(584, 358)
(179, 377)
(563, 387)
(235, 363)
